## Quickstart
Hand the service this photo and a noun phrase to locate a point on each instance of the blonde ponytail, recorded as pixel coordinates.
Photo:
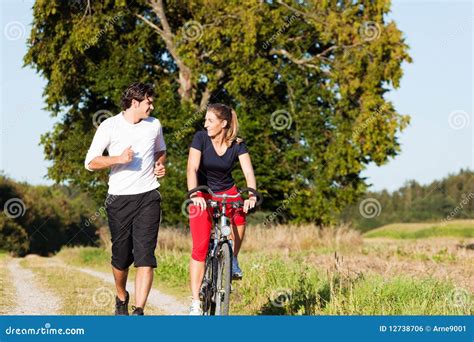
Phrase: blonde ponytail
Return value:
(232, 130)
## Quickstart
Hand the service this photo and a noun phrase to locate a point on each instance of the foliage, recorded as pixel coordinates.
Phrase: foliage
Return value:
(42, 219)
(307, 81)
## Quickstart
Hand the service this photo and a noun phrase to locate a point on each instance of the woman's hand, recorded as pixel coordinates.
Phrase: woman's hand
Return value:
(199, 202)
(249, 204)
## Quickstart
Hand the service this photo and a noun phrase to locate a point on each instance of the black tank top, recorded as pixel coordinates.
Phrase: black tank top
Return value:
(216, 171)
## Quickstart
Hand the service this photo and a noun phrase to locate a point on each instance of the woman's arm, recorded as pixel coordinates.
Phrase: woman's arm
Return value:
(247, 169)
(194, 159)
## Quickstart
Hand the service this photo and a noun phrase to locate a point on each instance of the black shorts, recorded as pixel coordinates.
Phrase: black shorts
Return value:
(134, 221)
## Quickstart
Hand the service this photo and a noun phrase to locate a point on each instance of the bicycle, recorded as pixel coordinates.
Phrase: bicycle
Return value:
(216, 284)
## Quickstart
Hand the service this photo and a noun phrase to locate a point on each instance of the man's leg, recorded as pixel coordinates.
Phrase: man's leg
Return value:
(120, 277)
(143, 281)
(145, 235)
(120, 216)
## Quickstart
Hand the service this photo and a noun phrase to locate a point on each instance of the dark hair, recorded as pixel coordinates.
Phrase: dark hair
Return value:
(136, 91)
(224, 112)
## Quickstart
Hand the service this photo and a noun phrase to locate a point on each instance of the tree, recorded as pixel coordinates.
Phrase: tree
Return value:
(447, 199)
(307, 80)
(42, 219)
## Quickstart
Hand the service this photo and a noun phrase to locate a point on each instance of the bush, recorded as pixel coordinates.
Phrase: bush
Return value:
(13, 237)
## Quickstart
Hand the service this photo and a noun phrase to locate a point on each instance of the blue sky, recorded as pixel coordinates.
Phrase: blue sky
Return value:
(436, 91)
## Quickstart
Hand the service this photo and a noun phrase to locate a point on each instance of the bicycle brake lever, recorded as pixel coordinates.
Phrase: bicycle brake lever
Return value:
(237, 205)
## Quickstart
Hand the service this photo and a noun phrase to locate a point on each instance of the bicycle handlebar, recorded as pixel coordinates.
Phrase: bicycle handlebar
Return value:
(240, 191)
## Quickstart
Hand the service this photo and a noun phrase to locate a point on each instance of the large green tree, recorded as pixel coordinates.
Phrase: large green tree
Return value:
(307, 79)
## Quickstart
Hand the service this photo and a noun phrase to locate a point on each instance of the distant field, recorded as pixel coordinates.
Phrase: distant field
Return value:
(457, 229)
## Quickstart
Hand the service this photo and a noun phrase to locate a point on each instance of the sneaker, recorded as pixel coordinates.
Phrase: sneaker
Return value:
(137, 311)
(121, 307)
(195, 308)
(237, 273)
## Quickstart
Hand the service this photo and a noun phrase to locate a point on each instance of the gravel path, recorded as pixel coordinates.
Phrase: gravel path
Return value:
(164, 302)
(30, 299)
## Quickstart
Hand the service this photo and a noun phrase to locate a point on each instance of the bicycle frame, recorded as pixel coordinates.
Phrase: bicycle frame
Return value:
(220, 223)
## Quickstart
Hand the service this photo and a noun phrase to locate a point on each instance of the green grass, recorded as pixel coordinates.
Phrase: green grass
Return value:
(456, 229)
(273, 285)
(172, 273)
(399, 296)
(86, 257)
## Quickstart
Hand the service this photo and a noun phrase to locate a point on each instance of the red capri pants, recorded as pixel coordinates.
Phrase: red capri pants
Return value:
(200, 221)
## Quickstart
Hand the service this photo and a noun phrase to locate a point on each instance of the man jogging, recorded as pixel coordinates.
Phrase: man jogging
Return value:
(136, 153)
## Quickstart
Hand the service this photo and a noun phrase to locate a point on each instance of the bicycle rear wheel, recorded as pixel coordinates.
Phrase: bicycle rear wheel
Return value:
(224, 274)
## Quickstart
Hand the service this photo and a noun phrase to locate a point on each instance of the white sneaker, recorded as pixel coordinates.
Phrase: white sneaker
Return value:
(195, 308)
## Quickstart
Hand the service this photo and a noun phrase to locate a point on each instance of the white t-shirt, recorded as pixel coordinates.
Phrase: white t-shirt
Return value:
(145, 138)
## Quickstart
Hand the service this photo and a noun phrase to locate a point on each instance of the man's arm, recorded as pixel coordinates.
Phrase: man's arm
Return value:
(94, 158)
(160, 159)
(102, 162)
(160, 155)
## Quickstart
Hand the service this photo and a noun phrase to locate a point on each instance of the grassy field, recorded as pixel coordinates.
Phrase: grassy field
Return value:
(304, 270)
(457, 228)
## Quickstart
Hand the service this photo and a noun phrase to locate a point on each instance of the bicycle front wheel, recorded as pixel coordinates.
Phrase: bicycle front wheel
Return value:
(205, 293)
(224, 275)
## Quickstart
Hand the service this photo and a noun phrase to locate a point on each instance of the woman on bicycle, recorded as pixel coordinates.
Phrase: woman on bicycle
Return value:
(212, 156)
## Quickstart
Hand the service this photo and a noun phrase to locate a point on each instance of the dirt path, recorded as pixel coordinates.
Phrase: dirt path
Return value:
(31, 299)
(168, 304)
